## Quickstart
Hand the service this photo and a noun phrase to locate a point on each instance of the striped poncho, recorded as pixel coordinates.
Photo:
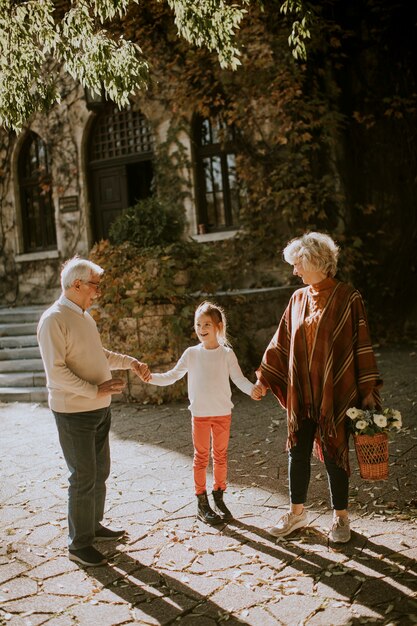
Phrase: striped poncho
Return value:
(339, 372)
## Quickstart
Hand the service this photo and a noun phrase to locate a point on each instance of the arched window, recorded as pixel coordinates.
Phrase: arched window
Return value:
(120, 134)
(218, 195)
(38, 221)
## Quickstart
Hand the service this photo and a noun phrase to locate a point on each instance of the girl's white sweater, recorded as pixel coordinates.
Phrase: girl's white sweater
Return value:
(209, 374)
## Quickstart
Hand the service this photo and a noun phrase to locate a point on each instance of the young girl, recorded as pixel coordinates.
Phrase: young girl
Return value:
(209, 365)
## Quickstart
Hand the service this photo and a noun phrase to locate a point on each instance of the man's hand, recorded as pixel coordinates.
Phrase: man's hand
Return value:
(258, 391)
(141, 370)
(110, 387)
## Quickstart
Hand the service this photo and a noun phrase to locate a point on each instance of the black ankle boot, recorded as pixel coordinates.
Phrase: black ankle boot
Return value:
(205, 512)
(219, 505)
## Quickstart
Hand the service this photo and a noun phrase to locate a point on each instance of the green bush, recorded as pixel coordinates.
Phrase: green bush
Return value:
(147, 224)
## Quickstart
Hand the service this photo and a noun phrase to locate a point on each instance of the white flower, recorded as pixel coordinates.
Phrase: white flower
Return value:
(354, 413)
(380, 420)
(374, 421)
(397, 420)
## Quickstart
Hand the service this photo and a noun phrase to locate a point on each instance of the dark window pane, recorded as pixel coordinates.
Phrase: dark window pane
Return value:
(218, 191)
(214, 192)
(234, 188)
(213, 174)
(206, 138)
(38, 221)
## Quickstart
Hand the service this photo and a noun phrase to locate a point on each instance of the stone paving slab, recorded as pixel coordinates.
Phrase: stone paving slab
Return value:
(172, 568)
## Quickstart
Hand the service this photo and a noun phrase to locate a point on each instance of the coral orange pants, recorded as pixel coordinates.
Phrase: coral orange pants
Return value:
(219, 429)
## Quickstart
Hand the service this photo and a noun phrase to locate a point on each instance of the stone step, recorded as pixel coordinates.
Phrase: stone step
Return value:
(21, 365)
(22, 376)
(23, 379)
(17, 354)
(15, 330)
(23, 394)
(22, 341)
(18, 315)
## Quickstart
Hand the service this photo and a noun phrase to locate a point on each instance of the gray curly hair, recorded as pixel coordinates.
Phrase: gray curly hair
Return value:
(315, 251)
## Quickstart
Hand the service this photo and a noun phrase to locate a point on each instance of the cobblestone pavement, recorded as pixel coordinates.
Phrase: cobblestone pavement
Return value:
(172, 568)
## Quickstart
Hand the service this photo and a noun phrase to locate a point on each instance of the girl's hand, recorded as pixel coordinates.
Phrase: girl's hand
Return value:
(141, 370)
(254, 395)
(258, 391)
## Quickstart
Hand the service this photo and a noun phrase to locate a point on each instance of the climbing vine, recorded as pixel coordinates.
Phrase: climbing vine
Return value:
(306, 133)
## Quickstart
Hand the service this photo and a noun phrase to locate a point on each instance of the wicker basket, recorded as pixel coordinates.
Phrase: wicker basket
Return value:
(372, 454)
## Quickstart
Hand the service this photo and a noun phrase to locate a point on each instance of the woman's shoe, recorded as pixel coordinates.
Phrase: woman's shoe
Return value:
(340, 530)
(287, 523)
(205, 512)
(220, 507)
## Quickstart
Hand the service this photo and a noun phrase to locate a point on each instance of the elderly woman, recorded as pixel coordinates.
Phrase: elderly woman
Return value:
(319, 363)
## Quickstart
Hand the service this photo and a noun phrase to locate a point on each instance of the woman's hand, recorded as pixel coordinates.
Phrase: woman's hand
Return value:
(368, 402)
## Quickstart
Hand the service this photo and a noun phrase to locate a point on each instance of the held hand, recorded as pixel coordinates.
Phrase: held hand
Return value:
(141, 370)
(258, 391)
(261, 387)
(148, 378)
(368, 402)
(110, 387)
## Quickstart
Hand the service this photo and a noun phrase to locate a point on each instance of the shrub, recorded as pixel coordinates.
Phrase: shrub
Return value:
(147, 224)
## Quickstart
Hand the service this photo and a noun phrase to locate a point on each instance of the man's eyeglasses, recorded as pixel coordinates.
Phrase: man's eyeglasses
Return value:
(90, 282)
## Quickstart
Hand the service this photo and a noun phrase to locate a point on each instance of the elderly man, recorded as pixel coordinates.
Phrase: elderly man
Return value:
(78, 371)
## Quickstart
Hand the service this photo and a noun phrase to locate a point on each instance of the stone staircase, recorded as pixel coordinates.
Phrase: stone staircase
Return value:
(22, 377)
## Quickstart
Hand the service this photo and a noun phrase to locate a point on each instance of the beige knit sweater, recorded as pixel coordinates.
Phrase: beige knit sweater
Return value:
(74, 359)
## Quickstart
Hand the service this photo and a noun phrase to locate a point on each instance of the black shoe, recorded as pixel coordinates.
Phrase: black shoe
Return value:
(220, 507)
(87, 556)
(107, 534)
(205, 512)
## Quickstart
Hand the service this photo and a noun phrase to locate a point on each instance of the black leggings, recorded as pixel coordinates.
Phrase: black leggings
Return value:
(299, 470)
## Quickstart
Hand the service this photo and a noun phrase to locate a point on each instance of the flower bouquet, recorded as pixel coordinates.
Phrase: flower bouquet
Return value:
(370, 429)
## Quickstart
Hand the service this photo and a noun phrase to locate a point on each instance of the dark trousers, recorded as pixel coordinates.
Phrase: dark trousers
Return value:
(84, 439)
(299, 470)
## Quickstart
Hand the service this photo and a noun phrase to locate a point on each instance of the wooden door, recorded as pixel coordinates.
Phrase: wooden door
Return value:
(110, 197)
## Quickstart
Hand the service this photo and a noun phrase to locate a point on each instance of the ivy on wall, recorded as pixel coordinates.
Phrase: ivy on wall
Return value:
(159, 275)
(147, 307)
(325, 144)
(306, 133)
(8, 270)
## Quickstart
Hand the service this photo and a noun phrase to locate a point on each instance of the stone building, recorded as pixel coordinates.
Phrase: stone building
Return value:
(65, 179)
(70, 173)
(325, 145)
(251, 157)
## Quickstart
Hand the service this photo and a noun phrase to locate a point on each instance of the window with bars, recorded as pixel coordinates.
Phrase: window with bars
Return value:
(38, 219)
(218, 194)
(121, 134)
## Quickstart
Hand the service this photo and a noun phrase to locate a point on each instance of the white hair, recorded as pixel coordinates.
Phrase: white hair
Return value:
(78, 269)
(315, 252)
